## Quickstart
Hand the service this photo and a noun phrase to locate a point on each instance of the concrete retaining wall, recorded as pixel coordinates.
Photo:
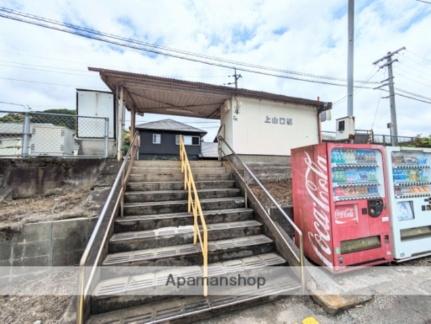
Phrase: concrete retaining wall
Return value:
(42, 176)
(268, 167)
(51, 243)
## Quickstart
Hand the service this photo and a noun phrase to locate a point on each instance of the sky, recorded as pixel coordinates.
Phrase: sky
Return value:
(42, 68)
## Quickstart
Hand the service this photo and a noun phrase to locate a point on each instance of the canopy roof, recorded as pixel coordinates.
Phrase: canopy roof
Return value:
(151, 94)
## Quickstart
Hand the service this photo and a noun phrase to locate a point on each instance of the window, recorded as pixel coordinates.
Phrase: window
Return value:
(196, 140)
(157, 138)
(188, 140)
(341, 125)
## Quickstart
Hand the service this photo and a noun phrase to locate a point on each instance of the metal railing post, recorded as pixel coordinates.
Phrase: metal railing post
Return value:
(106, 137)
(93, 252)
(26, 135)
(241, 174)
(301, 262)
(122, 193)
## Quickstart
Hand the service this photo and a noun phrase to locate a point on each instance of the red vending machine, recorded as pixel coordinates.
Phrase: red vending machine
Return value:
(340, 204)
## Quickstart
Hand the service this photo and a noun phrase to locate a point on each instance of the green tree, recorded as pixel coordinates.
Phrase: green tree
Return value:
(65, 119)
(12, 118)
(126, 141)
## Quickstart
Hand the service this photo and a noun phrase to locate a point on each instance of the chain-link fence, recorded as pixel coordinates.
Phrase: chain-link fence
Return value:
(33, 134)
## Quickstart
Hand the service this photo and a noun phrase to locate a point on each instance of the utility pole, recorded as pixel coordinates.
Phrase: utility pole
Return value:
(236, 77)
(393, 126)
(350, 56)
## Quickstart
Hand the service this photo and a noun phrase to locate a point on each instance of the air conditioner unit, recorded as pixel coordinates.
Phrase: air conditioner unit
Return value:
(345, 128)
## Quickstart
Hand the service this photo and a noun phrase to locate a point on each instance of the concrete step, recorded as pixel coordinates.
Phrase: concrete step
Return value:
(150, 177)
(190, 309)
(178, 185)
(136, 288)
(163, 195)
(148, 222)
(190, 254)
(167, 236)
(175, 170)
(170, 163)
(177, 206)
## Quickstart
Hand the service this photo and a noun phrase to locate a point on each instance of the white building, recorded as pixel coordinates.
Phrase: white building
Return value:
(10, 139)
(254, 123)
(51, 140)
(45, 140)
(264, 127)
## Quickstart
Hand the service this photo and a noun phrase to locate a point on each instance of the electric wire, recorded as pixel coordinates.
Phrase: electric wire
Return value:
(157, 49)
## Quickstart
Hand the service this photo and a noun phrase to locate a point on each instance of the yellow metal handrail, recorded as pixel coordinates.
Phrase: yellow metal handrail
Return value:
(194, 207)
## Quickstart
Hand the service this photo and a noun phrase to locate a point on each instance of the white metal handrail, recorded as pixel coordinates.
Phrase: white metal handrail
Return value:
(103, 226)
(298, 256)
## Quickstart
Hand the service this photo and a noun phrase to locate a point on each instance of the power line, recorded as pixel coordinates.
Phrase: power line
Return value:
(167, 51)
(417, 79)
(419, 68)
(413, 94)
(16, 66)
(413, 98)
(376, 112)
(372, 75)
(39, 82)
(13, 104)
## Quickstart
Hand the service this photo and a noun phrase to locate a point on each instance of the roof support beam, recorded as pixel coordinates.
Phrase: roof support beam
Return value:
(120, 122)
(132, 122)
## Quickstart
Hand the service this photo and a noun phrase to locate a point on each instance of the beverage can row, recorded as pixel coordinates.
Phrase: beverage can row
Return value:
(356, 191)
(352, 156)
(354, 175)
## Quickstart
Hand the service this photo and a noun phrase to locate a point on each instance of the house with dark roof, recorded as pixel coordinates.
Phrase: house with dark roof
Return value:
(160, 140)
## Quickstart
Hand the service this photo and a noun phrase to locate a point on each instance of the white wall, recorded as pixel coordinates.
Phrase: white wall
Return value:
(10, 146)
(95, 104)
(262, 127)
(47, 139)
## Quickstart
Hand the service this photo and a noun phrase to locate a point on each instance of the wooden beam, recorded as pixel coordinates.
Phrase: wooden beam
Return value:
(120, 122)
(132, 121)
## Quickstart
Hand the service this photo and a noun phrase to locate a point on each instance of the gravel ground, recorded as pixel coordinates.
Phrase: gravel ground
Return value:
(65, 204)
(280, 190)
(293, 310)
(24, 309)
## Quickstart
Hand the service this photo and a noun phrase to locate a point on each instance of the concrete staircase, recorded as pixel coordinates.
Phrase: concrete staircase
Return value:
(156, 231)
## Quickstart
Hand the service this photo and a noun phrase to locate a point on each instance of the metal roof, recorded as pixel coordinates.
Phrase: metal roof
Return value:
(170, 125)
(152, 94)
(11, 128)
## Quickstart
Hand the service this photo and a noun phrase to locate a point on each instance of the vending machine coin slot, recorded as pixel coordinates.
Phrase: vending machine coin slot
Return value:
(426, 207)
(375, 207)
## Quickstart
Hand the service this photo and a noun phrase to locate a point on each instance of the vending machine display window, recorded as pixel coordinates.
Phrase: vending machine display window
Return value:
(411, 174)
(357, 174)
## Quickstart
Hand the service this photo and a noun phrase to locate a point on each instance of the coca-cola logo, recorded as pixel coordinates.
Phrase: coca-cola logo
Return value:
(316, 183)
(345, 214)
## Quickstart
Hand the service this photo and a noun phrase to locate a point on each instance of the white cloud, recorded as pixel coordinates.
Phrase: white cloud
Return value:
(309, 36)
